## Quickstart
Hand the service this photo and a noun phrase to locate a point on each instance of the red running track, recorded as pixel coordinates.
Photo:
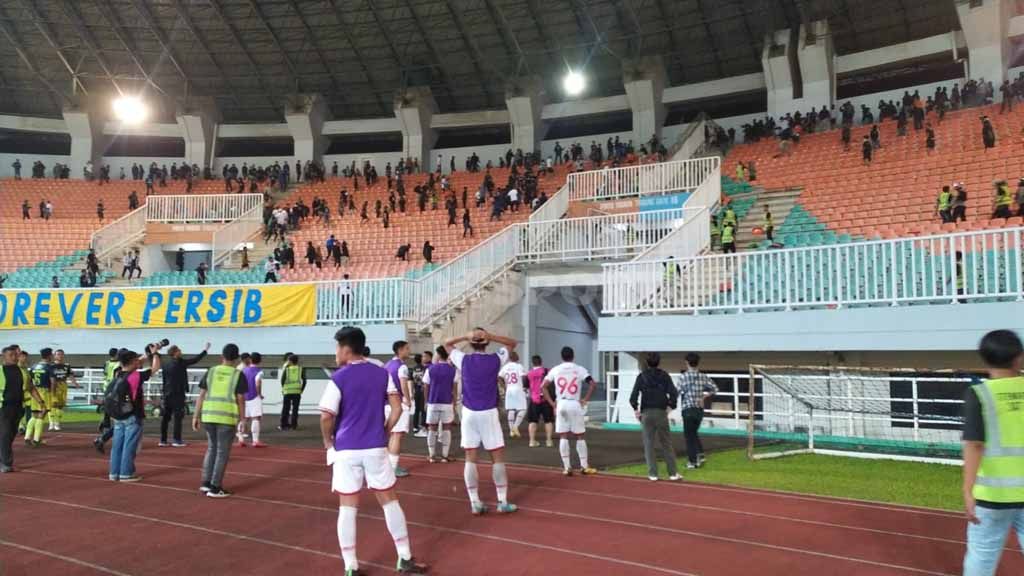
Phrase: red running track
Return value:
(61, 515)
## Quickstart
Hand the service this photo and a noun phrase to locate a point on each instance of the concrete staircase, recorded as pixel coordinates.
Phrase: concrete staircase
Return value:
(780, 202)
(484, 308)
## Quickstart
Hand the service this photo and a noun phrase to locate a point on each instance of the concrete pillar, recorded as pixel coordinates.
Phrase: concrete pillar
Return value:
(85, 122)
(816, 70)
(525, 98)
(779, 62)
(305, 115)
(644, 79)
(414, 108)
(198, 120)
(985, 29)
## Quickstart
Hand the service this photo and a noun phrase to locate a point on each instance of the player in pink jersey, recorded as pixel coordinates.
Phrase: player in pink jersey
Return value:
(571, 408)
(538, 407)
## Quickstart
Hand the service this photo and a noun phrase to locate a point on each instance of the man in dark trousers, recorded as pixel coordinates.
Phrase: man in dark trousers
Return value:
(14, 380)
(179, 260)
(175, 387)
(653, 396)
(293, 383)
(695, 387)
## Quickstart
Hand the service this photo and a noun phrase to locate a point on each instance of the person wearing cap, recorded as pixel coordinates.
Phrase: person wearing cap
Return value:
(220, 405)
(654, 394)
(131, 409)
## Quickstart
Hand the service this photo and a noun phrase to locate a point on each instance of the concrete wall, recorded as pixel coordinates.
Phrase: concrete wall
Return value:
(6, 171)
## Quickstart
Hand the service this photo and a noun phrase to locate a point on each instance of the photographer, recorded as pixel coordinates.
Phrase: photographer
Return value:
(175, 387)
(125, 403)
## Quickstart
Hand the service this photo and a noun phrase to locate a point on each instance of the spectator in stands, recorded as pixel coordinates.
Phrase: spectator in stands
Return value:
(99, 209)
(126, 264)
(929, 137)
(1007, 91)
(48, 210)
(988, 133)
(1020, 197)
(866, 149)
(876, 137)
(83, 279)
(270, 270)
(136, 262)
(179, 260)
(133, 200)
(3, 278)
(403, 252)
(959, 213)
(17, 169)
(26, 208)
(1004, 200)
(769, 224)
(467, 226)
(944, 205)
(335, 254)
(201, 274)
(245, 257)
(55, 282)
(428, 252)
(92, 263)
(42, 209)
(654, 394)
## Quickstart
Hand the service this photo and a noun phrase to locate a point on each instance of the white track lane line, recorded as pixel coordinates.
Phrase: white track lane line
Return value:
(335, 511)
(596, 495)
(570, 515)
(61, 557)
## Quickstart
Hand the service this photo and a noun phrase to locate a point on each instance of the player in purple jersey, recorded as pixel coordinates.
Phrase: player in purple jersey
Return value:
(253, 373)
(355, 435)
(399, 372)
(481, 424)
(439, 389)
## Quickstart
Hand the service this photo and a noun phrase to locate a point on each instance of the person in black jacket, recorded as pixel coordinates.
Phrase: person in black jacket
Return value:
(654, 394)
(175, 376)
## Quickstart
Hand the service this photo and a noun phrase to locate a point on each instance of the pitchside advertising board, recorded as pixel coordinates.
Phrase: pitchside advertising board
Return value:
(194, 307)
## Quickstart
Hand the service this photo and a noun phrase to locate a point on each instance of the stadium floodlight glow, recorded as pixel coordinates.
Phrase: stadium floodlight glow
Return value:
(130, 109)
(573, 83)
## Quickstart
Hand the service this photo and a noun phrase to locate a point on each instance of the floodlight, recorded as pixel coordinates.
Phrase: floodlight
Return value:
(130, 109)
(573, 83)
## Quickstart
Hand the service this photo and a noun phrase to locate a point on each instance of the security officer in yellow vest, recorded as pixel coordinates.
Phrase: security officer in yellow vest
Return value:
(293, 384)
(993, 446)
(14, 383)
(221, 403)
(944, 206)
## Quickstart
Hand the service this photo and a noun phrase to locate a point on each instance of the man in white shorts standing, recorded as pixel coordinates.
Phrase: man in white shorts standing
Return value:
(253, 374)
(570, 408)
(399, 372)
(355, 434)
(481, 425)
(439, 390)
(512, 377)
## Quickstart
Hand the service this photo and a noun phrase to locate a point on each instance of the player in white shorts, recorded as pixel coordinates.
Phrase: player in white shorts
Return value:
(402, 382)
(570, 408)
(439, 390)
(253, 417)
(512, 377)
(481, 425)
(355, 434)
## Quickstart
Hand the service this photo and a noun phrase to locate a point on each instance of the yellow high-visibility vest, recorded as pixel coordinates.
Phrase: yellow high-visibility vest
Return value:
(221, 405)
(1001, 475)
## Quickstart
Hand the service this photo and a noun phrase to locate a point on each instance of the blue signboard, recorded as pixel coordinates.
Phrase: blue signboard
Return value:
(663, 202)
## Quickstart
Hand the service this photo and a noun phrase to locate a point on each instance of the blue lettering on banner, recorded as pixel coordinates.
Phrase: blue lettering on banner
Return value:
(21, 303)
(92, 309)
(114, 304)
(216, 311)
(3, 307)
(43, 309)
(253, 310)
(173, 306)
(195, 297)
(663, 202)
(153, 301)
(235, 302)
(68, 314)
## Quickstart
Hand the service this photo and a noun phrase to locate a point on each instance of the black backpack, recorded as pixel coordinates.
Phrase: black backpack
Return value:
(117, 401)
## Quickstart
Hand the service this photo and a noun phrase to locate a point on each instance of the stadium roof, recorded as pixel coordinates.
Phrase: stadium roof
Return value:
(251, 54)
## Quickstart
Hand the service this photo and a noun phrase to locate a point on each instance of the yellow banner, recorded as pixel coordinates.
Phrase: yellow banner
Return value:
(192, 307)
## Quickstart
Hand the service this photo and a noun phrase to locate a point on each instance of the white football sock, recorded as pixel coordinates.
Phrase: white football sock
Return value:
(472, 482)
(393, 458)
(446, 442)
(394, 517)
(520, 416)
(511, 415)
(500, 476)
(431, 441)
(255, 431)
(347, 536)
(581, 449)
(563, 449)
(240, 431)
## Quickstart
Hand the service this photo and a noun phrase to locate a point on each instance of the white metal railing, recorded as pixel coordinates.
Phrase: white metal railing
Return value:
(608, 236)
(883, 272)
(658, 178)
(229, 237)
(691, 141)
(120, 233)
(200, 207)
(383, 300)
(690, 239)
(709, 193)
(935, 396)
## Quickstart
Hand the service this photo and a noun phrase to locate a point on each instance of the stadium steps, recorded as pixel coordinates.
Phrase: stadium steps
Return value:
(780, 202)
(484, 308)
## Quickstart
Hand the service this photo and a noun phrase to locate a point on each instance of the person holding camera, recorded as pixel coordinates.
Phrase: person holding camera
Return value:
(175, 376)
(125, 403)
(220, 405)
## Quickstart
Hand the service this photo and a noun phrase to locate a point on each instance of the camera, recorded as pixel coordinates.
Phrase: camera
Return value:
(157, 345)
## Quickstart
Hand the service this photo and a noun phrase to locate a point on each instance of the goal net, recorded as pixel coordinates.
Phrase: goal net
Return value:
(867, 412)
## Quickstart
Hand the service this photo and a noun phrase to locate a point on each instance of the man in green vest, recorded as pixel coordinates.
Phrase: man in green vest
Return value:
(944, 205)
(14, 383)
(993, 447)
(106, 430)
(728, 239)
(221, 403)
(293, 383)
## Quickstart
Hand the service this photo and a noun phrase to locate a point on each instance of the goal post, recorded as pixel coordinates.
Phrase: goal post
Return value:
(894, 413)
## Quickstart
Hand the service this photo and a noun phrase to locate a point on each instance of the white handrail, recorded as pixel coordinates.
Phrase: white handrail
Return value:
(643, 179)
(119, 233)
(228, 238)
(200, 207)
(383, 300)
(881, 272)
